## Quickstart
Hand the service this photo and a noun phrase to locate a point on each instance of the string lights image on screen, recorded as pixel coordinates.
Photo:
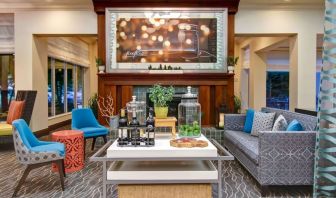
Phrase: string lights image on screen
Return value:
(173, 40)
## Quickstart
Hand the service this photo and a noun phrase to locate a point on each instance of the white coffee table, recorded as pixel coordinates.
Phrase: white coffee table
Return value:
(162, 164)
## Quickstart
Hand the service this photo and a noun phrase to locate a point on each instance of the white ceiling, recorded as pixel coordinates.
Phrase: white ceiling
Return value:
(87, 4)
(46, 4)
(281, 3)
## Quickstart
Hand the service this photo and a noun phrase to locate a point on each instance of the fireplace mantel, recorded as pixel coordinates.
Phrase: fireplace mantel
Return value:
(214, 88)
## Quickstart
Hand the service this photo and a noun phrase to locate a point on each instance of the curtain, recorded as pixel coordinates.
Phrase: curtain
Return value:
(6, 33)
(325, 159)
(69, 49)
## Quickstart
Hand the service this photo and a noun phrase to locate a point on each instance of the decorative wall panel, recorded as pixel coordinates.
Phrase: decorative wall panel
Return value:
(325, 161)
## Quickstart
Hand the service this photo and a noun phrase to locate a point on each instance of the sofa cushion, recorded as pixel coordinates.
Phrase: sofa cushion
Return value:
(280, 124)
(262, 122)
(249, 120)
(5, 129)
(295, 126)
(246, 143)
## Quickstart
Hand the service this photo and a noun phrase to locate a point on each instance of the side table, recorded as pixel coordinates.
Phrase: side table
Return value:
(167, 122)
(74, 146)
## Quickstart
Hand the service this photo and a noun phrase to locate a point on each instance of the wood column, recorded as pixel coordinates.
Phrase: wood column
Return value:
(101, 36)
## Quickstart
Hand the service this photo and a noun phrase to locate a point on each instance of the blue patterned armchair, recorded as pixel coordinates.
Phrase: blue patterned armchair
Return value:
(34, 153)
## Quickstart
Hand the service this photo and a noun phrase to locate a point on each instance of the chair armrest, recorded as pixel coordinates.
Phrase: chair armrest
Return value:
(286, 157)
(234, 122)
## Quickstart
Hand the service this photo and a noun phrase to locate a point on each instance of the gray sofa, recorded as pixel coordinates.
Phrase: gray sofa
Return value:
(275, 157)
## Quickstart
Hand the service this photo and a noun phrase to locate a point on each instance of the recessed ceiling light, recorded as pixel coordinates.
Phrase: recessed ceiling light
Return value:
(287, 0)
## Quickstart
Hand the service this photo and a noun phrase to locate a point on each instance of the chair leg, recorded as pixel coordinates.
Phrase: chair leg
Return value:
(63, 168)
(60, 171)
(105, 139)
(93, 143)
(23, 178)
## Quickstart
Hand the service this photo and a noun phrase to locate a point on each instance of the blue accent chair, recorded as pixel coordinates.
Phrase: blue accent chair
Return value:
(34, 153)
(84, 120)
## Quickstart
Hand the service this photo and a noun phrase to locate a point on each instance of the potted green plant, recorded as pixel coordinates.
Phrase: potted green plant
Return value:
(231, 63)
(100, 65)
(237, 104)
(160, 96)
(93, 104)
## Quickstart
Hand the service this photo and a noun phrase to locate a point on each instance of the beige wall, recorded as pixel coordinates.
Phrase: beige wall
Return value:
(306, 24)
(258, 47)
(30, 59)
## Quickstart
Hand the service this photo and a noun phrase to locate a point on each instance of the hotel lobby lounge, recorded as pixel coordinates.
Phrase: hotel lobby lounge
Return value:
(167, 98)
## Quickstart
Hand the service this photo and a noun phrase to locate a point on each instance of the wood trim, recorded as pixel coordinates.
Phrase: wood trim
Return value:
(126, 94)
(231, 34)
(100, 5)
(51, 128)
(101, 36)
(166, 79)
(204, 100)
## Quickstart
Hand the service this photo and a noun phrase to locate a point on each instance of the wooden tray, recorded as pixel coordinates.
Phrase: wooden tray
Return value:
(188, 143)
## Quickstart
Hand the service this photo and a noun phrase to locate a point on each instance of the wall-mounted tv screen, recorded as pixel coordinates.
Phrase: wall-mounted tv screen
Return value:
(188, 38)
(171, 40)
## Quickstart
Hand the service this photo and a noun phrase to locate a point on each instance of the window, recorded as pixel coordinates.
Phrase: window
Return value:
(277, 90)
(65, 86)
(7, 81)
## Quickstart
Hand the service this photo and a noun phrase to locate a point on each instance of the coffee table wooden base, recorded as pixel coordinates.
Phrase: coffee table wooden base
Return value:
(165, 191)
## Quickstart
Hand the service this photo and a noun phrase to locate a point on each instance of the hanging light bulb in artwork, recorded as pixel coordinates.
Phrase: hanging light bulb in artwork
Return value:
(188, 41)
(143, 28)
(122, 34)
(167, 43)
(162, 21)
(145, 35)
(123, 23)
(160, 38)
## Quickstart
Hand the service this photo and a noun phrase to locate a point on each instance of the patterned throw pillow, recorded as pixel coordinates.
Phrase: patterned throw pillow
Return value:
(262, 122)
(280, 124)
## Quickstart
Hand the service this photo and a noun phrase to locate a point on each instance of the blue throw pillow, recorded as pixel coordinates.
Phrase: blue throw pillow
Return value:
(249, 121)
(294, 126)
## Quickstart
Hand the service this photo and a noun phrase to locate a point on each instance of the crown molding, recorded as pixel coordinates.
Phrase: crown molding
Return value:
(281, 6)
(14, 7)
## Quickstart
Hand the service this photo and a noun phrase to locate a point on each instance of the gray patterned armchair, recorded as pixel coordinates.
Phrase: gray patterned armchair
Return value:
(275, 157)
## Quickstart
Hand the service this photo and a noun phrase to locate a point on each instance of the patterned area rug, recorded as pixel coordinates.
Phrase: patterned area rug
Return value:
(43, 183)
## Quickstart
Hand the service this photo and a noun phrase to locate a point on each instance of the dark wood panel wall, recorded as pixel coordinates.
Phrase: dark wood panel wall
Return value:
(214, 88)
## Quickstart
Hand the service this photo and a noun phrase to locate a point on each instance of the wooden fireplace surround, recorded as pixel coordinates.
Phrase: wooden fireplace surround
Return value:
(214, 88)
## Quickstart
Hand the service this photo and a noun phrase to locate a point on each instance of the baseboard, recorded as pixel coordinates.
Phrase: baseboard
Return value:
(53, 127)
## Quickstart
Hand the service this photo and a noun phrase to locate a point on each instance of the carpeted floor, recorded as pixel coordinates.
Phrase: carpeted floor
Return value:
(42, 183)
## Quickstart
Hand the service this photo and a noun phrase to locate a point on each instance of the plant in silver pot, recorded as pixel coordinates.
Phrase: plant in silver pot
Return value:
(100, 65)
(160, 96)
(231, 62)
